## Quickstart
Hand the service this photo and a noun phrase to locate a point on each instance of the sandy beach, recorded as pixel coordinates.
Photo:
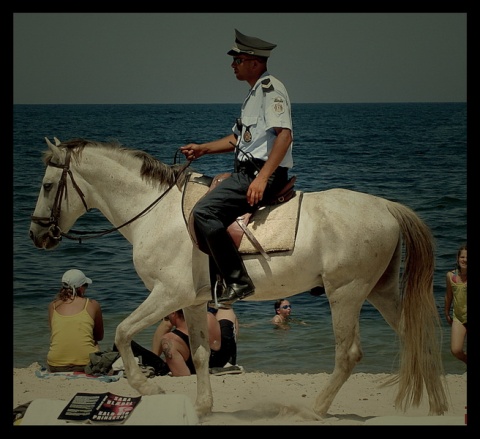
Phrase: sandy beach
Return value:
(265, 399)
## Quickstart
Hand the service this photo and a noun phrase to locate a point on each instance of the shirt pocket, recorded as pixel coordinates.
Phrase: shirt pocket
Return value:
(249, 121)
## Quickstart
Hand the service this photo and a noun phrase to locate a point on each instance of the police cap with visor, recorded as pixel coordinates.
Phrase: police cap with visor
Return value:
(250, 45)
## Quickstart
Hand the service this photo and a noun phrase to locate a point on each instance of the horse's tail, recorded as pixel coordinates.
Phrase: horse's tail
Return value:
(420, 359)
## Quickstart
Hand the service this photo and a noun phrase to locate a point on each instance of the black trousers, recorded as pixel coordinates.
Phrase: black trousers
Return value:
(148, 358)
(220, 207)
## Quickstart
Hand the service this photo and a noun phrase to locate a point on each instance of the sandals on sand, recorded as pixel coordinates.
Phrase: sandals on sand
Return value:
(227, 370)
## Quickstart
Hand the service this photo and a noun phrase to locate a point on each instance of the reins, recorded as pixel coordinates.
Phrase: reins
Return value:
(52, 222)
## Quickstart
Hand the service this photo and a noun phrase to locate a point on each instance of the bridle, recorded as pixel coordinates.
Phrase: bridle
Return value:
(52, 221)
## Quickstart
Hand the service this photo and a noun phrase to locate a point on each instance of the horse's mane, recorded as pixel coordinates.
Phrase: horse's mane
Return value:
(152, 169)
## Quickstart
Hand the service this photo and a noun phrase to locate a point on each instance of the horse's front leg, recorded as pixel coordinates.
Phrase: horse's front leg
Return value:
(147, 314)
(348, 351)
(196, 318)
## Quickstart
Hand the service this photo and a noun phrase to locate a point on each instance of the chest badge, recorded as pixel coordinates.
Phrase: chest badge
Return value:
(247, 135)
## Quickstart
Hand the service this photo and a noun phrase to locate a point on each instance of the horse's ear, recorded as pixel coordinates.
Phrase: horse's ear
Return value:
(50, 144)
(54, 148)
(57, 142)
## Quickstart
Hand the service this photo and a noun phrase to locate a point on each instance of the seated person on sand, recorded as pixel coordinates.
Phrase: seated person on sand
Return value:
(282, 317)
(76, 325)
(171, 339)
(227, 319)
(172, 336)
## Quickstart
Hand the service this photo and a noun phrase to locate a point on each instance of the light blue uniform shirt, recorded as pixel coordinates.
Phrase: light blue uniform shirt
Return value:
(267, 106)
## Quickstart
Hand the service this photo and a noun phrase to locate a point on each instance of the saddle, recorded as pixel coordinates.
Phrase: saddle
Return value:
(240, 227)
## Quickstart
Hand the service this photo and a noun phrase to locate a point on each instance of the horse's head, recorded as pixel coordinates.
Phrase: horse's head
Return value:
(60, 202)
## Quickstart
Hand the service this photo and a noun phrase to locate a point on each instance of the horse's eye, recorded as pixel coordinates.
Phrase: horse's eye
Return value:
(47, 187)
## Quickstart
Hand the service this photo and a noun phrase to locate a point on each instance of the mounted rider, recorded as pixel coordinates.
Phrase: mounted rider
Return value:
(262, 141)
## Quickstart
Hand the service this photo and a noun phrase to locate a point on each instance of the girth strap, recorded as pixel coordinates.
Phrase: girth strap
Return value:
(251, 236)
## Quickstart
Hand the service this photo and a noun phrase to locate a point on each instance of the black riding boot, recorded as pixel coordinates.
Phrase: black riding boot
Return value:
(231, 268)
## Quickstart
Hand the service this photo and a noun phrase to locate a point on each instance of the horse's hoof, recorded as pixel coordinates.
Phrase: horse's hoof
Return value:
(150, 388)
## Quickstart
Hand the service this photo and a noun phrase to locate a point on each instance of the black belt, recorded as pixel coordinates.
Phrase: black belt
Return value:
(252, 167)
(249, 167)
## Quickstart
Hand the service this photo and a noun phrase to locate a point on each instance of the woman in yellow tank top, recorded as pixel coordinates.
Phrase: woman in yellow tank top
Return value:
(456, 292)
(76, 325)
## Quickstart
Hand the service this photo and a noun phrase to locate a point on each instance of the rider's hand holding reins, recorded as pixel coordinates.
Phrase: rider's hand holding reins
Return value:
(193, 151)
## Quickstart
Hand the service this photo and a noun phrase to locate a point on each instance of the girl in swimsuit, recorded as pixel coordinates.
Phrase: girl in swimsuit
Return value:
(456, 293)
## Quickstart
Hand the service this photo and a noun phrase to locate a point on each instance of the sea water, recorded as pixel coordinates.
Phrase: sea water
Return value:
(413, 153)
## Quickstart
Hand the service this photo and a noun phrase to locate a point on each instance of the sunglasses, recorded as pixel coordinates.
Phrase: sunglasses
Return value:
(286, 306)
(239, 61)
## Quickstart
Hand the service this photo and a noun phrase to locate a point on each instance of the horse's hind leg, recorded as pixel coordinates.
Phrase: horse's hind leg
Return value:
(345, 307)
(385, 296)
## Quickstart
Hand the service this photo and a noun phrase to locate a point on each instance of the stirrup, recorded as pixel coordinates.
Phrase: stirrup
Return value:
(220, 285)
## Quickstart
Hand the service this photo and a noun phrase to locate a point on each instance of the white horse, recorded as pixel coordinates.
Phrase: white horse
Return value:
(350, 243)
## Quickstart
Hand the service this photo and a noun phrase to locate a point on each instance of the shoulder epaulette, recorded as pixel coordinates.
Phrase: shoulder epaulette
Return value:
(267, 85)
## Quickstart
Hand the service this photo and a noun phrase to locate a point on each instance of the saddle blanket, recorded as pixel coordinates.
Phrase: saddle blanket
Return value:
(274, 227)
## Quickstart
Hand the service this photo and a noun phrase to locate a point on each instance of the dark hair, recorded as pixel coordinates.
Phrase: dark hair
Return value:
(260, 59)
(179, 313)
(278, 303)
